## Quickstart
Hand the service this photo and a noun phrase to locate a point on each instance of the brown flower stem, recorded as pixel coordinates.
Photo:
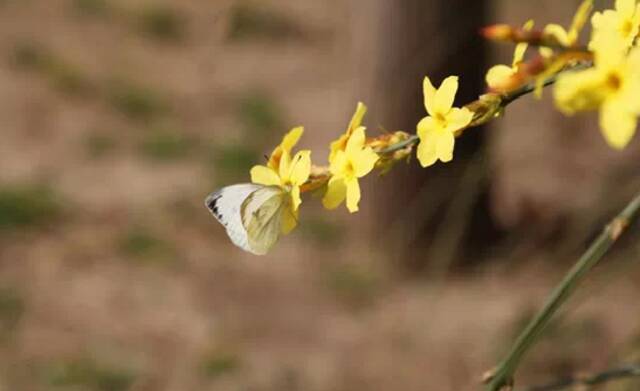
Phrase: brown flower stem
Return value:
(502, 377)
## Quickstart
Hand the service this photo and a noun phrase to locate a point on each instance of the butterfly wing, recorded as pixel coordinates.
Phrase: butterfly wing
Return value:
(262, 214)
(226, 204)
(252, 214)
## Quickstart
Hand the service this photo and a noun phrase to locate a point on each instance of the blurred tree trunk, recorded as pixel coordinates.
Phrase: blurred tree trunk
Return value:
(416, 38)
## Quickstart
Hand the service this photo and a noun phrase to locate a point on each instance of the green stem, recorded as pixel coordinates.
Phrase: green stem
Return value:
(502, 376)
(400, 145)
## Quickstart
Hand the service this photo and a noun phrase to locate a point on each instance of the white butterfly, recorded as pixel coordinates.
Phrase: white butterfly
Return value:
(252, 214)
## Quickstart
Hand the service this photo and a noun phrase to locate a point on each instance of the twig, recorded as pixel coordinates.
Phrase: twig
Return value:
(502, 376)
(623, 372)
(505, 100)
(529, 88)
(401, 145)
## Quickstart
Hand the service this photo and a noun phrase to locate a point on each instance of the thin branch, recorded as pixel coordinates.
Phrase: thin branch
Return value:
(623, 372)
(401, 145)
(529, 88)
(502, 376)
(505, 100)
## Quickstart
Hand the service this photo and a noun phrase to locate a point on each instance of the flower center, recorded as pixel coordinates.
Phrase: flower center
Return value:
(349, 170)
(441, 119)
(614, 81)
(627, 27)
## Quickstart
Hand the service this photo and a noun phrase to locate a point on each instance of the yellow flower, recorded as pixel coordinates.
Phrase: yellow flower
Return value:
(564, 38)
(290, 174)
(288, 142)
(437, 131)
(355, 161)
(341, 143)
(613, 87)
(498, 75)
(569, 38)
(622, 24)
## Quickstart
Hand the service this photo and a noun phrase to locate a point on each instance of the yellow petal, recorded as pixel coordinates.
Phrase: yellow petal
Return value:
(634, 59)
(558, 32)
(364, 161)
(429, 92)
(579, 20)
(521, 48)
(580, 91)
(596, 20)
(336, 193)
(632, 84)
(353, 195)
(600, 21)
(444, 146)
(426, 150)
(356, 120)
(295, 197)
(291, 139)
(458, 118)
(426, 125)
(626, 7)
(545, 52)
(528, 25)
(618, 126)
(263, 175)
(445, 95)
(610, 53)
(338, 164)
(288, 142)
(338, 145)
(498, 76)
(300, 167)
(289, 220)
(635, 23)
(356, 141)
(341, 142)
(284, 168)
(607, 41)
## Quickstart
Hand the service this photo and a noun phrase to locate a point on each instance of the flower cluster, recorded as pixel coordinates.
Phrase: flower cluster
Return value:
(602, 75)
(612, 85)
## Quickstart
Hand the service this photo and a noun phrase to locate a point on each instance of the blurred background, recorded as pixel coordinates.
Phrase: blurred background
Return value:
(118, 117)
